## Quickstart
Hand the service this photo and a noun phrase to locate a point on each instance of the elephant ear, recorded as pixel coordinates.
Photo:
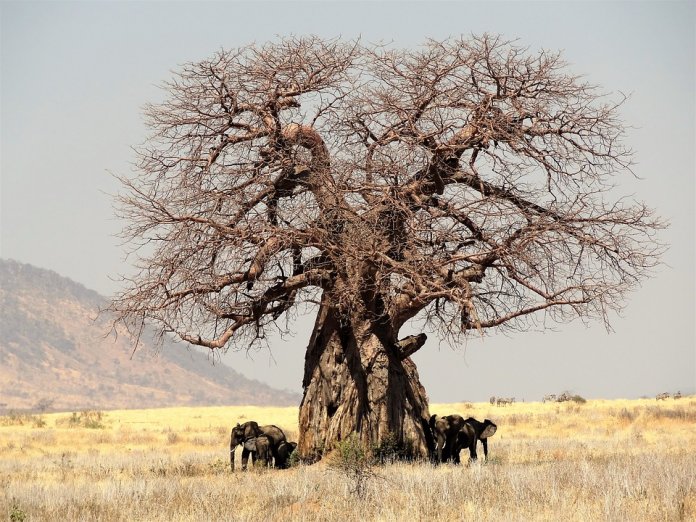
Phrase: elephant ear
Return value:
(489, 431)
(250, 444)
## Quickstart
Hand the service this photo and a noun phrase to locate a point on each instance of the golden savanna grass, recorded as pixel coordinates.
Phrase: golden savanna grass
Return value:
(602, 460)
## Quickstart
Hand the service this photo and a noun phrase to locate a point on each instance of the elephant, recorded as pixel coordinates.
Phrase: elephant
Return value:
(284, 450)
(471, 432)
(260, 448)
(445, 430)
(242, 433)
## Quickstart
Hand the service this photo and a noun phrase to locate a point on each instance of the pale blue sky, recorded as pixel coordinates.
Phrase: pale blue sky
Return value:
(74, 76)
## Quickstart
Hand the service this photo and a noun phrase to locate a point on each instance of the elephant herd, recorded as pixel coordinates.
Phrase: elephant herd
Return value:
(450, 434)
(266, 444)
(453, 433)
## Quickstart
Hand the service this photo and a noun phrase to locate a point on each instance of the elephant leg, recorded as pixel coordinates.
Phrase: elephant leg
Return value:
(440, 445)
(232, 451)
(485, 448)
(264, 458)
(472, 451)
(457, 450)
(455, 455)
(245, 458)
(452, 453)
(273, 458)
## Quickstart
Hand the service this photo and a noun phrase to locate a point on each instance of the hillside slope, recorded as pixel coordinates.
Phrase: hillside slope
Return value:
(54, 345)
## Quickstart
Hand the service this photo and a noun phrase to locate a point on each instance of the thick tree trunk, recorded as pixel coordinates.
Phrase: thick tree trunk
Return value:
(355, 382)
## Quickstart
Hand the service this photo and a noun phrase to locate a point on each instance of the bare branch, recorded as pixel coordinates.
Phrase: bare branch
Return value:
(469, 181)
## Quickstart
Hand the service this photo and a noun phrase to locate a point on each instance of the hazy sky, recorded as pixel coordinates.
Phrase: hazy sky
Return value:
(75, 76)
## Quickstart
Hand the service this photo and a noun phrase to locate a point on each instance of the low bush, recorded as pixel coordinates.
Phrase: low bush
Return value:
(390, 450)
(352, 459)
(16, 418)
(91, 419)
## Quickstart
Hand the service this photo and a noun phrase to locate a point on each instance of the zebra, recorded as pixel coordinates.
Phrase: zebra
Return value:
(662, 396)
(564, 397)
(549, 398)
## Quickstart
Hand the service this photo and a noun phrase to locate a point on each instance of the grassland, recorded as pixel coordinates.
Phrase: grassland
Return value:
(602, 460)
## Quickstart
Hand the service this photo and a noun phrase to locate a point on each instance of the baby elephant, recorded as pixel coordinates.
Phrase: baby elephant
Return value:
(470, 433)
(260, 449)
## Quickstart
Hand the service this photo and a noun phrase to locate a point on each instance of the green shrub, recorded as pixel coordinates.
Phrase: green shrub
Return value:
(17, 514)
(294, 459)
(355, 461)
(218, 467)
(391, 449)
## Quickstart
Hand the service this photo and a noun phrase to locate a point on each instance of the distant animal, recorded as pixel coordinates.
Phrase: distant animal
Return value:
(502, 401)
(471, 432)
(564, 397)
(492, 400)
(243, 433)
(662, 396)
(677, 395)
(549, 398)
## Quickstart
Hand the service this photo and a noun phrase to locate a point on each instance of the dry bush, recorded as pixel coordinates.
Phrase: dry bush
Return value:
(15, 418)
(683, 413)
(626, 416)
(92, 419)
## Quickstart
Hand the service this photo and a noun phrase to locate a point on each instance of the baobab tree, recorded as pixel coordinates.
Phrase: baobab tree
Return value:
(468, 183)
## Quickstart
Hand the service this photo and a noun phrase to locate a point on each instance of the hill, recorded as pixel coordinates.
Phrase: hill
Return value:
(54, 347)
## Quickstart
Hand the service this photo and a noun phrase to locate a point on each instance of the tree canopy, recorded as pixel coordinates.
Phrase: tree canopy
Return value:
(470, 181)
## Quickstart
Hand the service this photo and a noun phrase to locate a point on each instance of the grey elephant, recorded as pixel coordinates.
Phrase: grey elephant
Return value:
(244, 433)
(445, 431)
(470, 433)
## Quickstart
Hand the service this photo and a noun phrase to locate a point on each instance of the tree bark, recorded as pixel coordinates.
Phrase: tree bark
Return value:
(355, 381)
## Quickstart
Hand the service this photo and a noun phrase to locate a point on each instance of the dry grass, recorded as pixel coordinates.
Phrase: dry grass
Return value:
(603, 460)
